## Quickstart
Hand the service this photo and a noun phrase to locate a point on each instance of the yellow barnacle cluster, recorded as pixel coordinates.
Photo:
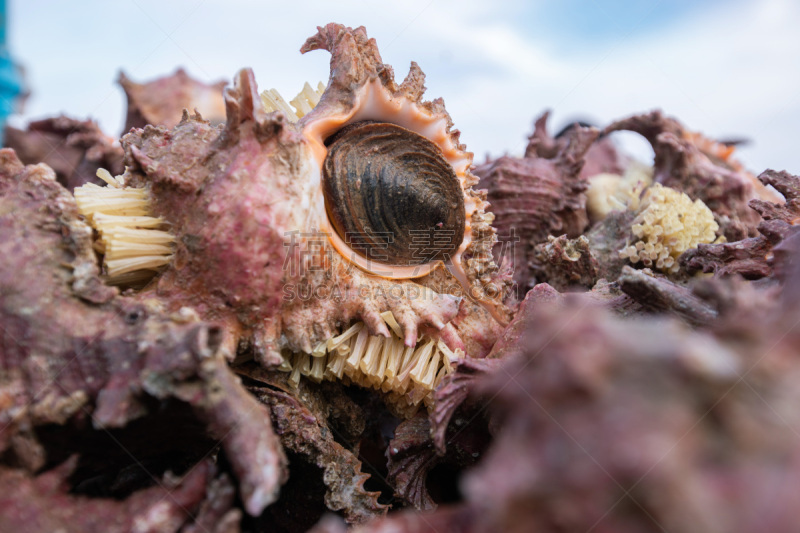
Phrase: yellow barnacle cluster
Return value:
(667, 224)
(407, 374)
(615, 192)
(133, 243)
(303, 103)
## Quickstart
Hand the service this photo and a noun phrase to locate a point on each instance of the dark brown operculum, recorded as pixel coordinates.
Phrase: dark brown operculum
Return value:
(391, 195)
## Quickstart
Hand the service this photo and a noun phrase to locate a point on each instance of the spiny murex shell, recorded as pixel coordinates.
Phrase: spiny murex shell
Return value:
(254, 247)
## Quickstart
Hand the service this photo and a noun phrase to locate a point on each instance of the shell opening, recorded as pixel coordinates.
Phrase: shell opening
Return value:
(391, 195)
(376, 103)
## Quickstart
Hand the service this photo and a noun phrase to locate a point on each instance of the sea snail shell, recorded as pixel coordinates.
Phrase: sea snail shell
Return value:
(391, 195)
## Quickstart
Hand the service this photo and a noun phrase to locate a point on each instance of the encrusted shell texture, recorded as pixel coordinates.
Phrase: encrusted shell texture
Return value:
(256, 251)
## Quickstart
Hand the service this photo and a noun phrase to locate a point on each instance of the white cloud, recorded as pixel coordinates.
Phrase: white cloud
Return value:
(725, 71)
(728, 69)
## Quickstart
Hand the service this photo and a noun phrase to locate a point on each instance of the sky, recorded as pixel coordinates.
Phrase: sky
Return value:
(727, 68)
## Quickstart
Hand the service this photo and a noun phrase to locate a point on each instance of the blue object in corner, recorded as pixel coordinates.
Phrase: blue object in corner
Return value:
(10, 77)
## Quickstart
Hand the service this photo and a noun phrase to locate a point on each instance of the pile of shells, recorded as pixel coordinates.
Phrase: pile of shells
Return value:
(319, 314)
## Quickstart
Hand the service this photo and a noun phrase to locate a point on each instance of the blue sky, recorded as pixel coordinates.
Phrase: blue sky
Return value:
(577, 23)
(725, 68)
